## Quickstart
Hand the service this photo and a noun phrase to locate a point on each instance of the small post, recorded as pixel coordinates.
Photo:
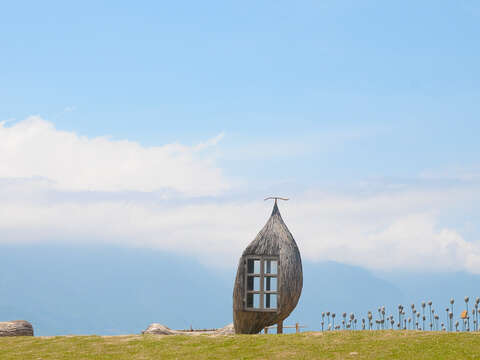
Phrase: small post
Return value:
(280, 327)
(266, 330)
(297, 328)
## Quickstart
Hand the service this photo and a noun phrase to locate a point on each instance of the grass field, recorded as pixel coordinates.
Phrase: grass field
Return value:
(332, 345)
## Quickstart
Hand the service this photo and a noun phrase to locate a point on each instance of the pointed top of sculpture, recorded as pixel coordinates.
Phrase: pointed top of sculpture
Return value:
(275, 207)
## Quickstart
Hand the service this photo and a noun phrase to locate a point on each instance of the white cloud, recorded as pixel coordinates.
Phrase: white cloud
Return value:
(396, 230)
(46, 178)
(210, 142)
(34, 148)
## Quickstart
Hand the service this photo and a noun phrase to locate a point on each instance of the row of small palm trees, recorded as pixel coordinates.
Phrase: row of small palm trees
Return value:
(417, 319)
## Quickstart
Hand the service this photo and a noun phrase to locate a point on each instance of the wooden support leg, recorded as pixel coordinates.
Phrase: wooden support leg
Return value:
(280, 327)
(297, 329)
(266, 330)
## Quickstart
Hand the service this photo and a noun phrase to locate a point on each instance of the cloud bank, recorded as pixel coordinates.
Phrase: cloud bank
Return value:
(56, 186)
(34, 148)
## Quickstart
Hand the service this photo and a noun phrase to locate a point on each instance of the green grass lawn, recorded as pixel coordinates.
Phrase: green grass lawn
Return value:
(332, 345)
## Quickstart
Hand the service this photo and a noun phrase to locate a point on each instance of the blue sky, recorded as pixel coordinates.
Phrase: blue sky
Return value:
(366, 89)
(365, 113)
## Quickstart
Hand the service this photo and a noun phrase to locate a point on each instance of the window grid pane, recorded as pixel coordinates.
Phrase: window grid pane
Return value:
(270, 283)
(253, 283)
(270, 301)
(253, 301)
(262, 283)
(271, 267)
(253, 266)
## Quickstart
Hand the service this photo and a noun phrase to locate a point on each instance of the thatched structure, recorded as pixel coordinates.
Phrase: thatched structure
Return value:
(16, 328)
(269, 278)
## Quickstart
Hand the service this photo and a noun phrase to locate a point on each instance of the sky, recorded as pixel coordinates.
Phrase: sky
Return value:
(164, 125)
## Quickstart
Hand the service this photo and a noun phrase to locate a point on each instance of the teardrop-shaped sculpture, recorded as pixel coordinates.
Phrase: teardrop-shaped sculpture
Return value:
(269, 278)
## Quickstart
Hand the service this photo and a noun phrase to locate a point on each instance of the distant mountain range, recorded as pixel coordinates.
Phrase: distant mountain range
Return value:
(111, 290)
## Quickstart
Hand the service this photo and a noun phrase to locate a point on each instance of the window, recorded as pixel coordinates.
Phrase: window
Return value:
(262, 283)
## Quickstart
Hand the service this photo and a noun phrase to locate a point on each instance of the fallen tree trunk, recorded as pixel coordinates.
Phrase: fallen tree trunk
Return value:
(158, 329)
(16, 328)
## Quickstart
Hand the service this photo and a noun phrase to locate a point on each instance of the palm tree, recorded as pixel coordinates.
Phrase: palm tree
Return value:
(433, 315)
(452, 301)
(423, 315)
(383, 316)
(478, 312)
(473, 315)
(448, 311)
(413, 310)
(430, 313)
(400, 311)
(477, 301)
(468, 316)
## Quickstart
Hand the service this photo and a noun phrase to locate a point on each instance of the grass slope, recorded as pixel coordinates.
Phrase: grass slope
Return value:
(332, 345)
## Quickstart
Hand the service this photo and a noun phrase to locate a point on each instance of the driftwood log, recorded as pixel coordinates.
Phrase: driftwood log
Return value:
(226, 330)
(16, 328)
(275, 241)
(159, 329)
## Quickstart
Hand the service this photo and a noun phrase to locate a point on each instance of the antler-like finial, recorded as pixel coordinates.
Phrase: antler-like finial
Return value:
(275, 198)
